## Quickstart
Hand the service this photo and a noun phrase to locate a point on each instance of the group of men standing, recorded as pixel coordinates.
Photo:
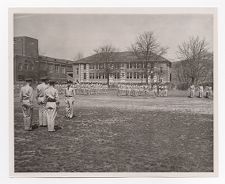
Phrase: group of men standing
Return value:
(200, 89)
(48, 101)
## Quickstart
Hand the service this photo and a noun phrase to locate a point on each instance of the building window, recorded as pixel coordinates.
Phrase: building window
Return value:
(170, 77)
(103, 76)
(129, 75)
(135, 75)
(84, 66)
(63, 70)
(122, 65)
(85, 76)
(161, 69)
(91, 76)
(101, 66)
(77, 71)
(117, 66)
(138, 76)
(26, 67)
(128, 65)
(97, 76)
(92, 66)
(20, 67)
(57, 68)
(31, 67)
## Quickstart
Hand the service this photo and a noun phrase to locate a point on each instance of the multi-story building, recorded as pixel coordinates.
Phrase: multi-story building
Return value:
(28, 62)
(126, 68)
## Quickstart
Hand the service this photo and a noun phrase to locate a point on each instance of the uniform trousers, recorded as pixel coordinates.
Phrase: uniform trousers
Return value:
(27, 114)
(69, 106)
(42, 112)
(51, 112)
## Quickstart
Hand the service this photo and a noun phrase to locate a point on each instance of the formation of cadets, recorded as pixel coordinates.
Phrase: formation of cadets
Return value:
(47, 97)
(142, 90)
(201, 91)
(85, 89)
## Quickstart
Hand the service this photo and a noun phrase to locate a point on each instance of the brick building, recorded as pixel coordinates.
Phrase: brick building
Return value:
(28, 62)
(126, 69)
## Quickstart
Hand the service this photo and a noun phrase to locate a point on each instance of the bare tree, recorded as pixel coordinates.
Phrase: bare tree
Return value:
(196, 60)
(147, 49)
(78, 56)
(105, 55)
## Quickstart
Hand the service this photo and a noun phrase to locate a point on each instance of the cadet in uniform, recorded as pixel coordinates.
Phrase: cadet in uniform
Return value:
(51, 97)
(200, 91)
(166, 90)
(70, 94)
(26, 98)
(41, 101)
(155, 90)
(192, 91)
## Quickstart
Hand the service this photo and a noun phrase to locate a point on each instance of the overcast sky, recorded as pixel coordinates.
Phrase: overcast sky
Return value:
(63, 36)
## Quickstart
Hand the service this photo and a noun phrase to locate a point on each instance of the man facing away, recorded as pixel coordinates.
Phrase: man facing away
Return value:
(69, 94)
(41, 101)
(26, 99)
(51, 97)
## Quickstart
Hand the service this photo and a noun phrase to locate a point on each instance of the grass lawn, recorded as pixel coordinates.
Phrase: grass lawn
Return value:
(120, 134)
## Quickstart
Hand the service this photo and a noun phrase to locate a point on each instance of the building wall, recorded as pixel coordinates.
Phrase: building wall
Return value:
(26, 46)
(122, 73)
(25, 67)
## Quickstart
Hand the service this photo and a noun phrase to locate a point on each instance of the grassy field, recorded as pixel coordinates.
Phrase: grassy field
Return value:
(121, 134)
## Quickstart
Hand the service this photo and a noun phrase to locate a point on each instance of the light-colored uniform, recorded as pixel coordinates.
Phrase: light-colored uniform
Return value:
(155, 90)
(166, 91)
(51, 97)
(42, 103)
(200, 91)
(70, 94)
(26, 97)
(192, 91)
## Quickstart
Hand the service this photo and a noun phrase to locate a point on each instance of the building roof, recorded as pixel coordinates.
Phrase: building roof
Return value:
(55, 60)
(25, 37)
(118, 57)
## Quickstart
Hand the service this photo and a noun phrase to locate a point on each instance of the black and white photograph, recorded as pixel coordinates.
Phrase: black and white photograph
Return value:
(113, 92)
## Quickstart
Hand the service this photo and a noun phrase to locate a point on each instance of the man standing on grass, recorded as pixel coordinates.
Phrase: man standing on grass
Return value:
(41, 102)
(69, 94)
(200, 91)
(26, 98)
(51, 97)
(192, 91)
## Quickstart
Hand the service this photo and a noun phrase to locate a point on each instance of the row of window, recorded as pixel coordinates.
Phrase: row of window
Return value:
(52, 68)
(135, 75)
(27, 67)
(103, 66)
(129, 75)
(56, 69)
(117, 66)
